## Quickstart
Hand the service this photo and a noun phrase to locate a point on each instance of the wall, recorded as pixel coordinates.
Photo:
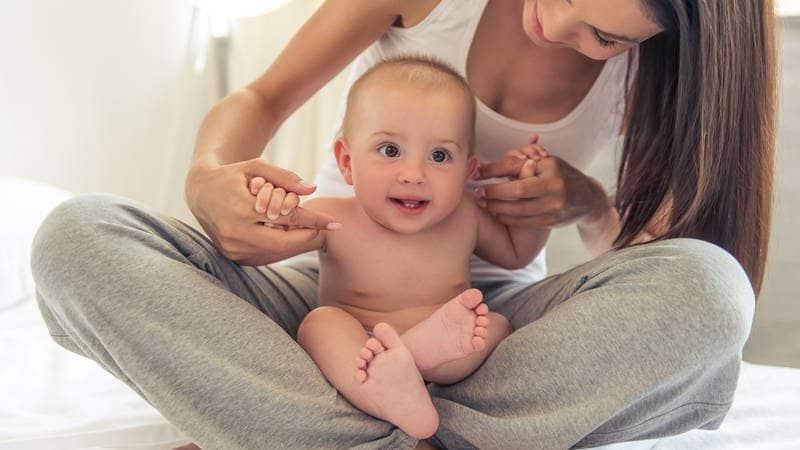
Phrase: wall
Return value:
(90, 92)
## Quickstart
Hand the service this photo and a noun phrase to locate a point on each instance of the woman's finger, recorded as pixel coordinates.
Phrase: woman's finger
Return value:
(521, 208)
(532, 187)
(256, 184)
(275, 203)
(306, 218)
(290, 202)
(506, 167)
(262, 199)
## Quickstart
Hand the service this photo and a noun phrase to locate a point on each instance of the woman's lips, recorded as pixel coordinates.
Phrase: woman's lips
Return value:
(537, 26)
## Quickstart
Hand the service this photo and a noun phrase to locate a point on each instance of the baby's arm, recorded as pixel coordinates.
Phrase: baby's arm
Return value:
(281, 208)
(509, 246)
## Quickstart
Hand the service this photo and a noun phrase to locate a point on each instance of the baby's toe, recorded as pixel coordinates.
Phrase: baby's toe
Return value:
(366, 354)
(478, 343)
(375, 345)
(361, 376)
(482, 309)
(361, 363)
(481, 321)
(480, 331)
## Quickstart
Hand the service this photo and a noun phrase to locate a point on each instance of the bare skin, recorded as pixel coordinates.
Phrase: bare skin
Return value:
(236, 130)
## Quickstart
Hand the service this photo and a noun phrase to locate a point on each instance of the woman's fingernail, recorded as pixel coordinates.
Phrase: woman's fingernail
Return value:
(261, 209)
(334, 226)
(271, 215)
(306, 184)
(285, 212)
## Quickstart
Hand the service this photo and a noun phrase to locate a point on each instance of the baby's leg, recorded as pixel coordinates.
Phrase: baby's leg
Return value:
(450, 372)
(377, 375)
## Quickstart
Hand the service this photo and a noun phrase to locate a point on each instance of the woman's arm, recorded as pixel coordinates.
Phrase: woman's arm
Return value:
(598, 230)
(240, 125)
(235, 131)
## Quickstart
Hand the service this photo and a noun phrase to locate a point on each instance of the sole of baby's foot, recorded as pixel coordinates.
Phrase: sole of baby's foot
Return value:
(454, 331)
(390, 380)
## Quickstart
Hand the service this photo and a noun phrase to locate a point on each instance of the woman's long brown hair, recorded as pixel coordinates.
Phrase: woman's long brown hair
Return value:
(700, 128)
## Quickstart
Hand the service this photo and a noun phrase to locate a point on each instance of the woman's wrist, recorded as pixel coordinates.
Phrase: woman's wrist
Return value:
(599, 204)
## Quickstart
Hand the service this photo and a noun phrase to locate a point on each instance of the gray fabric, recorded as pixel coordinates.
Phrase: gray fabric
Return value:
(641, 343)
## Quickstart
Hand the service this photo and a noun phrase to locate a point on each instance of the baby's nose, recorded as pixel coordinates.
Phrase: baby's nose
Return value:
(411, 174)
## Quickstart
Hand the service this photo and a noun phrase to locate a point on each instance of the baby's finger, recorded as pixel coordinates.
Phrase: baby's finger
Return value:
(262, 199)
(528, 169)
(256, 184)
(516, 153)
(275, 202)
(539, 150)
(290, 202)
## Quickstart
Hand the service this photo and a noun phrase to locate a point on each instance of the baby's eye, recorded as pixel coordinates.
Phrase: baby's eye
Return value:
(389, 150)
(440, 156)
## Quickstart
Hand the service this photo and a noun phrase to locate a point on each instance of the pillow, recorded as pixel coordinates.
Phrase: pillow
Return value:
(24, 204)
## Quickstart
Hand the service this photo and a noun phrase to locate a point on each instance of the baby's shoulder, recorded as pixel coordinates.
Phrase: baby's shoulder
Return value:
(334, 206)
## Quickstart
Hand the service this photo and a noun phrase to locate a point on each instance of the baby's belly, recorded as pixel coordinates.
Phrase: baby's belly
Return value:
(401, 320)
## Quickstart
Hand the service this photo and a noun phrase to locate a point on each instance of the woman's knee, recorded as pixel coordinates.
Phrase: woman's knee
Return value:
(66, 236)
(74, 219)
(712, 287)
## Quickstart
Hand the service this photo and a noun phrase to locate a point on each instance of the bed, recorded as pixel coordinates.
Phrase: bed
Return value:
(53, 399)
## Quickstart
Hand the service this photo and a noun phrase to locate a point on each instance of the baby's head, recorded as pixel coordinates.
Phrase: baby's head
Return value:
(406, 142)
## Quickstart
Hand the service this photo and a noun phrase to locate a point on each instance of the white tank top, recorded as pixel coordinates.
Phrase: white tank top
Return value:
(446, 34)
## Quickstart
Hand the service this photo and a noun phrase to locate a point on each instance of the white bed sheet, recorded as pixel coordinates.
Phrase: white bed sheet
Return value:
(53, 399)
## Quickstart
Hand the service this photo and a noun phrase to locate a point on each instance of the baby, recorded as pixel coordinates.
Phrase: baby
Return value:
(396, 308)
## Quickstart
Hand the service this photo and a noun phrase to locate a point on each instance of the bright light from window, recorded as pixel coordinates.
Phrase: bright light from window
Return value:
(789, 7)
(222, 11)
(239, 8)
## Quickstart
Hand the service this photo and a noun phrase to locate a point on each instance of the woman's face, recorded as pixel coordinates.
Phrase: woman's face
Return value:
(600, 29)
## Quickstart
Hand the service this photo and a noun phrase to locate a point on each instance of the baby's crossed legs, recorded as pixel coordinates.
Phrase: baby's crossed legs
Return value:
(383, 375)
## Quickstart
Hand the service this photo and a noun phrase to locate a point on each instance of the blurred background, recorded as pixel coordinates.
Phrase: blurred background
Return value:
(99, 95)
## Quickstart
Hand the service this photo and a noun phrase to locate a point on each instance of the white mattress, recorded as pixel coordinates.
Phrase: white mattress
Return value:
(53, 399)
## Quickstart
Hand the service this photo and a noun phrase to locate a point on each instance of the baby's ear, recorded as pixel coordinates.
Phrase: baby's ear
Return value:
(342, 153)
(472, 167)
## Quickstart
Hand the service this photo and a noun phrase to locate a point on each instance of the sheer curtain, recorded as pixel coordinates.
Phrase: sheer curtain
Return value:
(230, 44)
(304, 139)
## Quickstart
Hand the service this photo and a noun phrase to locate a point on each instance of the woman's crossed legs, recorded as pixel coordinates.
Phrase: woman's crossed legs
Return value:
(641, 343)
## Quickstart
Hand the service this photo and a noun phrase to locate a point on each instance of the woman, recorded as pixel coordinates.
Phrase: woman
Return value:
(641, 342)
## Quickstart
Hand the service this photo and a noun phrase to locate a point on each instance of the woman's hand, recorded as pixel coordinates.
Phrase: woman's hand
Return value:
(557, 194)
(220, 199)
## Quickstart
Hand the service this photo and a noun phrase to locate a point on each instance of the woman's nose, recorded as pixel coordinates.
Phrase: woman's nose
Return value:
(559, 25)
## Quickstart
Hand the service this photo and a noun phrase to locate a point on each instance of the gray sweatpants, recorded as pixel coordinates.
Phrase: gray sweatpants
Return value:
(640, 343)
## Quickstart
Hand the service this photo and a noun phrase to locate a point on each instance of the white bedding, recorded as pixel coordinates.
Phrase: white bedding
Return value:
(53, 399)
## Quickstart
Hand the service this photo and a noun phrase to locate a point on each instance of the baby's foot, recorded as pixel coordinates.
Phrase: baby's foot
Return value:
(393, 385)
(455, 330)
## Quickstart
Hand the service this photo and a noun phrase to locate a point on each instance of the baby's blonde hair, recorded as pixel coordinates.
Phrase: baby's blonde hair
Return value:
(419, 71)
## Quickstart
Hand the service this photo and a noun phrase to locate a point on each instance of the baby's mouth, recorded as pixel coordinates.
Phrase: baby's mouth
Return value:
(410, 204)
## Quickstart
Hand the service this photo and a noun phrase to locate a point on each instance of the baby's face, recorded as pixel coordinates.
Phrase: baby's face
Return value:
(407, 155)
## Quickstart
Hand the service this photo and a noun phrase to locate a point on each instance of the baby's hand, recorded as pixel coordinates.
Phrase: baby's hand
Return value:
(273, 200)
(531, 154)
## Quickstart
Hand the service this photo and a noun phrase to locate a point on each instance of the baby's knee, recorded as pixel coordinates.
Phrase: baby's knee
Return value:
(320, 316)
(499, 324)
